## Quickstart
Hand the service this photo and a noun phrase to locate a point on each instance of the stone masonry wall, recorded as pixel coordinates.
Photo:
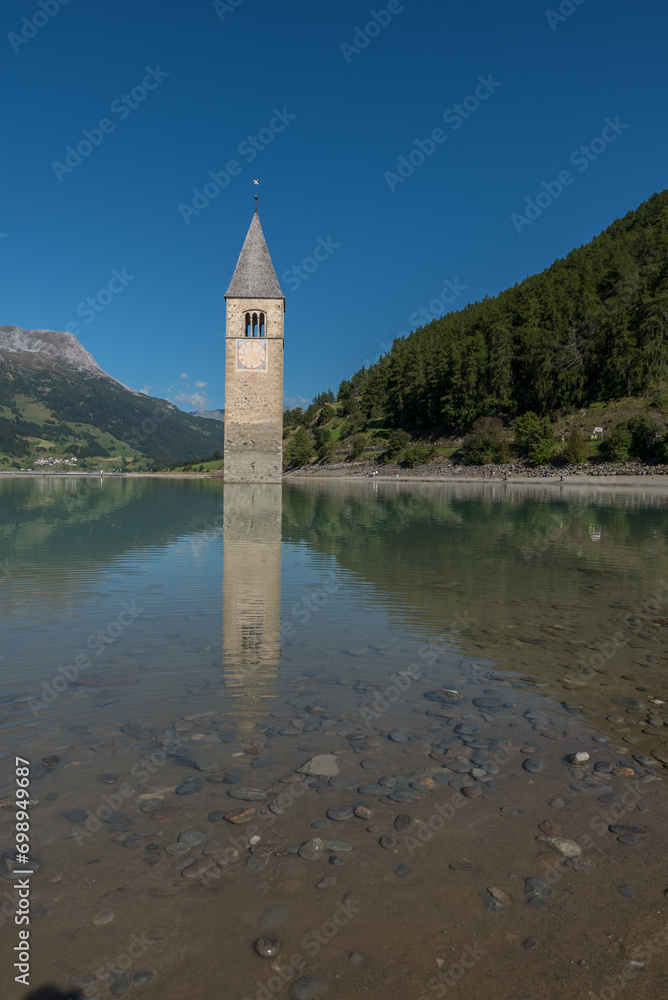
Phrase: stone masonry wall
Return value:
(254, 399)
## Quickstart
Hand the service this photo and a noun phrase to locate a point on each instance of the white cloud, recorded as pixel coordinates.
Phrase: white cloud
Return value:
(201, 385)
(191, 401)
(291, 401)
(184, 375)
(145, 389)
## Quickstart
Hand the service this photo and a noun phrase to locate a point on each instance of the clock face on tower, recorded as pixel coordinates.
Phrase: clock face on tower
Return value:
(252, 355)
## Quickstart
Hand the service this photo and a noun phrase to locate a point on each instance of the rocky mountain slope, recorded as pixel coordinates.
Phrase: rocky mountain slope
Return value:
(55, 400)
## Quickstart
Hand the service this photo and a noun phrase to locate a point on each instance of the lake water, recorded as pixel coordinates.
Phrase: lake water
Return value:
(173, 652)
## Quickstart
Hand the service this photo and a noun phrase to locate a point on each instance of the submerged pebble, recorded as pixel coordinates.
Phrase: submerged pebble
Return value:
(268, 947)
(307, 987)
(533, 765)
(312, 850)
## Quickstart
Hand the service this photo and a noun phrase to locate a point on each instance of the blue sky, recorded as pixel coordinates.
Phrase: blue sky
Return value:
(487, 104)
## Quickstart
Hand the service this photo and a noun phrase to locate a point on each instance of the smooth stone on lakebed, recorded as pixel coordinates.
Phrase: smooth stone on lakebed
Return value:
(143, 976)
(337, 845)
(403, 822)
(268, 947)
(567, 848)
(471, 791)
(372, 790)
(621, 828)
(198, 867)
(363, 812)
(247, 794)
(307, 987)
(387, 841)
(103, 917)
(403, 871)
(533, 765)
(76, 816)
(323, 766)
(445, 695)
(343, 782)
(177, 849)
(193, 838)
(110, 816)
(151, 805)
(399, 736)
(189, 786)
(217, 815)
(537, 887)
(340, 812)
(207, 765)
(311, 850)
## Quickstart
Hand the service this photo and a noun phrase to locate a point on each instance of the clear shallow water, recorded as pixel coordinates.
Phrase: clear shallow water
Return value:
(145, 617)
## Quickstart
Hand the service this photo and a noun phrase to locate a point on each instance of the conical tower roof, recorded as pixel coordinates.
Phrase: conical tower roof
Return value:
(254, 276)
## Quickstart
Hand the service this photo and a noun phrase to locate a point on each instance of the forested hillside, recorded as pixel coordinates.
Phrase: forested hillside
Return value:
(591, 327)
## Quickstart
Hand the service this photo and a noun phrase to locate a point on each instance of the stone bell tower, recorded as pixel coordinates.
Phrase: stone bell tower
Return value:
(255, 306)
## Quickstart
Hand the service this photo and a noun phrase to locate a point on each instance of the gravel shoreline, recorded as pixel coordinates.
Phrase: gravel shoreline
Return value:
(626, 474)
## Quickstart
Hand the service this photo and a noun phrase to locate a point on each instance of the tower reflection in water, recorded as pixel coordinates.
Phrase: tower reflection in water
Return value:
(251, 594)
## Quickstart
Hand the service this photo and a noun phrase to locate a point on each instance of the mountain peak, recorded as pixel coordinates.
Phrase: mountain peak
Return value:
(49, 349)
